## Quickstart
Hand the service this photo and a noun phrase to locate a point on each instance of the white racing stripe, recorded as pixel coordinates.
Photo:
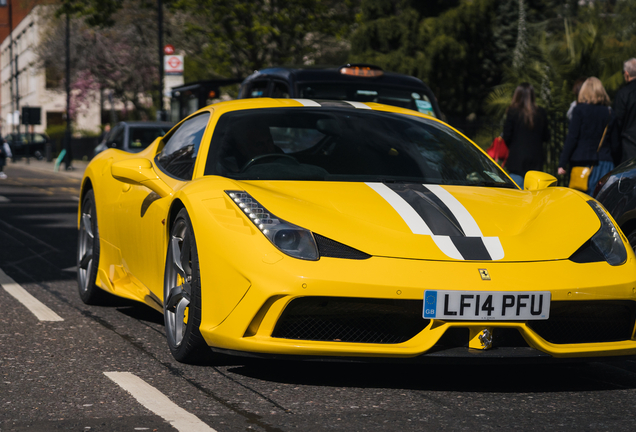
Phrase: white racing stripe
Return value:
(158, 403)
(446, 245)
(418, 225)
(410, 216)
(358, 105)
(467, 222)
(34, 305)
(308, 102)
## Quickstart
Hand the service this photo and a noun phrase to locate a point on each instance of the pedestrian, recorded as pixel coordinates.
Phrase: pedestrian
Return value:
(576, 88)
(104, 135)
(625, 110)
(525, 131)
(5, 153)
(583, 146)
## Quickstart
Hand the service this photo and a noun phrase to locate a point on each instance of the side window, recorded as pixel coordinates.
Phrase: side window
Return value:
(257, 89)
(180, 151)
(281, 90)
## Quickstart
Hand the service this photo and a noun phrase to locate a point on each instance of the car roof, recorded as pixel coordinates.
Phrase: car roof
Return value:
(221, 108)
(333, 74)
(146, 123)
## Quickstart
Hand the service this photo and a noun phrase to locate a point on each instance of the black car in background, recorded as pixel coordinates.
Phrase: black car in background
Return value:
(617, 192)
(27, 144)
(133, 137)
(352, 82)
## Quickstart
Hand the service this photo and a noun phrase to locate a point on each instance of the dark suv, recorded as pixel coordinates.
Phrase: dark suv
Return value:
(352, 82)
(133, 137)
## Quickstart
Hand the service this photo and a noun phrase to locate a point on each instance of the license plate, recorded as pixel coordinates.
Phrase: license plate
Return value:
(487, 305)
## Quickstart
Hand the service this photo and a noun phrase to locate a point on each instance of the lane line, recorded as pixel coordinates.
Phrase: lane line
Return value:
(37, 308)
(158, 403)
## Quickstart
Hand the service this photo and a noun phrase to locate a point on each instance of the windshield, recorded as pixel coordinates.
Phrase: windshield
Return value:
(368, 92)
(336, 144)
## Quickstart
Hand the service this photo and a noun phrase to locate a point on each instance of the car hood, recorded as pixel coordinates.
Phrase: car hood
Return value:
(435, 222)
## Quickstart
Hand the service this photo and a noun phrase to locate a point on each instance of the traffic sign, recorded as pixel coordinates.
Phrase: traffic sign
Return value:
(168, 50)
(173, 64)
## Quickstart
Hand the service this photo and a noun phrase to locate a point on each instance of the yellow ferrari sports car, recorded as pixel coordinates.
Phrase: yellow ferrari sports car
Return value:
(294, 227)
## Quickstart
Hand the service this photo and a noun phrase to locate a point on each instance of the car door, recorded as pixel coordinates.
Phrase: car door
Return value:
(142, 214)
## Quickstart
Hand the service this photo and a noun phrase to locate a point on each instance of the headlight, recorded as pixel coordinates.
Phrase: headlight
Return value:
(607, 240)
(288, 238)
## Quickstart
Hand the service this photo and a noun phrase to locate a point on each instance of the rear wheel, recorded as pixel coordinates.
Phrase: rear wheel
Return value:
(182, 293)
(88, 252)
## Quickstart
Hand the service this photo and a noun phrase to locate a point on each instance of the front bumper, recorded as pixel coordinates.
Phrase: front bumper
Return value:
(252, 325)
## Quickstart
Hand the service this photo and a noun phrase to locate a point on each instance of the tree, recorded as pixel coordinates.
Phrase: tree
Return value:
(113, 47)
(236, 37)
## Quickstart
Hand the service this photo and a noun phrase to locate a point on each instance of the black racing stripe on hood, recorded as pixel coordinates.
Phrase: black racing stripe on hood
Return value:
(430, 208)
(334, 103)
(472, 248)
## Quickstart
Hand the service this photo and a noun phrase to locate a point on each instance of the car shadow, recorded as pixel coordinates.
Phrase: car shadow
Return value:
(580, 376)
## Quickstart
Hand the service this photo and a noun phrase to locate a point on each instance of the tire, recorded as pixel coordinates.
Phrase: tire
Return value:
(182, 293)
(88, 253)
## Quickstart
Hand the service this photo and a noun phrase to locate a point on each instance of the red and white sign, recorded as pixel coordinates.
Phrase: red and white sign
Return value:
(173, 64)
(168, 50)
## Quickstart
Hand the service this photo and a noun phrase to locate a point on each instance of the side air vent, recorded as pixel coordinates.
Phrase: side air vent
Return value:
(333, 249)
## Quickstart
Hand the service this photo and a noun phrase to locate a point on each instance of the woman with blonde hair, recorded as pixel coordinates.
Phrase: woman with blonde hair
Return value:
(583, 146)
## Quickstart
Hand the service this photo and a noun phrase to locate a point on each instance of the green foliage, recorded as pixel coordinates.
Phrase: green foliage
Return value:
(240, 36)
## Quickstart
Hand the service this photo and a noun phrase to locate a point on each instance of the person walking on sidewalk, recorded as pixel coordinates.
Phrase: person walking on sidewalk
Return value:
(5, 153)
(525, 131)
(625, 108)
(587, 144)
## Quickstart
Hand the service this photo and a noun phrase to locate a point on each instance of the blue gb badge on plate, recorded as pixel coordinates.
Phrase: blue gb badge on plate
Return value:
(430, 304)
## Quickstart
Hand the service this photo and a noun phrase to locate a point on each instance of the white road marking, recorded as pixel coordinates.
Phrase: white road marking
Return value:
(4, 199)
(42, 312)
(158, 403)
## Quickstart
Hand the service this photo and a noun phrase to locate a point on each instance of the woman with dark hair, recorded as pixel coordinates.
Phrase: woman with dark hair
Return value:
(583, 146)
(525, 131)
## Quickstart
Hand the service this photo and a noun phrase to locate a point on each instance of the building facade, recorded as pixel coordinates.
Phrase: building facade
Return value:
(23, 80)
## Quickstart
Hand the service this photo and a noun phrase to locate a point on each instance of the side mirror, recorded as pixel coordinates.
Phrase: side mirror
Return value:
(140, 172)
(537, 180)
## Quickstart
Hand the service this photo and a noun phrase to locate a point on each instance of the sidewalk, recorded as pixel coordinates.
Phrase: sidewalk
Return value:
(42, 165)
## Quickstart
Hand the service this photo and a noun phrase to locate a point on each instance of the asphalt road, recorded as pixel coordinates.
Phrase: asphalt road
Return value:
(108, 368)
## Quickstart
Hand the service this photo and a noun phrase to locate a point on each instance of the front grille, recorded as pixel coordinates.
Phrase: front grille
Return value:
(587, 322)
(333, 249)
(359, 320)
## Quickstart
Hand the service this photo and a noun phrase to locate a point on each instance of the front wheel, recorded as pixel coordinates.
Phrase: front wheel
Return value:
(182, 293)
(88, 252)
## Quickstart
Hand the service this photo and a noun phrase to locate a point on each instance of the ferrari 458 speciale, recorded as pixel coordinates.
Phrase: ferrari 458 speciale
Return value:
(294, 227)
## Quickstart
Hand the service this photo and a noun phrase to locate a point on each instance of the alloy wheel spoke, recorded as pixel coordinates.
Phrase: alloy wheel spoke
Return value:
(86, 219)
(176, 256)
(185, 255)
(86, 260)
(179, 319)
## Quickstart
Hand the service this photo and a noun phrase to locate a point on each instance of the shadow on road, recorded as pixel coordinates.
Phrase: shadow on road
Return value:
(593, 376)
